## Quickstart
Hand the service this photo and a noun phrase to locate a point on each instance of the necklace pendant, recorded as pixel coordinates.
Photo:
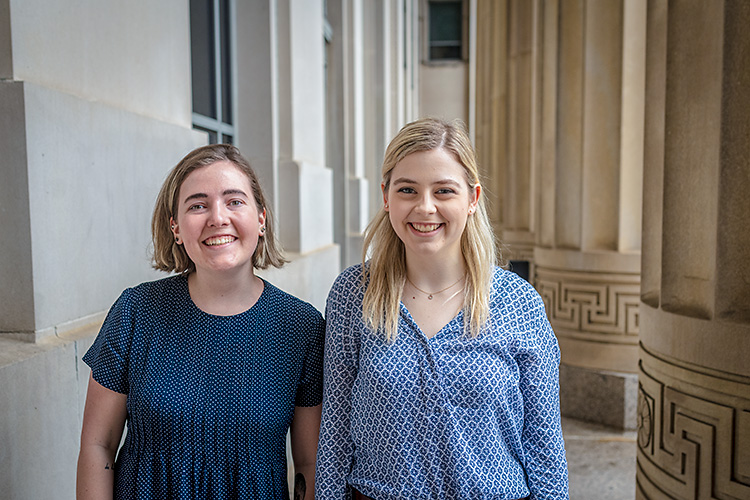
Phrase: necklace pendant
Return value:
(429, 297)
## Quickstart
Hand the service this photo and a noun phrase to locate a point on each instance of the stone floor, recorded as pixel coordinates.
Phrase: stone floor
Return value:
(601, 461)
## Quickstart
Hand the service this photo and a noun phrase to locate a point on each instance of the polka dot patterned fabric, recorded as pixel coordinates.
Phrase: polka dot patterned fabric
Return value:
(210, 398)
(447, 417)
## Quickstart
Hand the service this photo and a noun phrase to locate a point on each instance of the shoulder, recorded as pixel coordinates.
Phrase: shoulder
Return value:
(514, 297)
(156, 288)
(152, 297)
(150, 293)
(347, 293)
(507, 286)
(348, 286)
(293, 306)
(349, 279)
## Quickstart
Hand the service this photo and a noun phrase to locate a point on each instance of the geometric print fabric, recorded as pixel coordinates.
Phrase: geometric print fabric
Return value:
(447, 417)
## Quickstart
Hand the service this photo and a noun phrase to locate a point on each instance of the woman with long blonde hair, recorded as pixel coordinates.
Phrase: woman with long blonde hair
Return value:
(441, 369)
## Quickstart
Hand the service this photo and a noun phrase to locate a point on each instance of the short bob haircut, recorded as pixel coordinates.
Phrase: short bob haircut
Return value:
(385, 273)
(171, 257)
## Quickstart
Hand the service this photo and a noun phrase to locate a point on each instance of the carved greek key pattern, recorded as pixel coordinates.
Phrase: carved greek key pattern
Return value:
(590, 302)
(692, 440)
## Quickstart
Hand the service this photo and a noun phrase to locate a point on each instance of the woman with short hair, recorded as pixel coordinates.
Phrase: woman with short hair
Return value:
(209, 367)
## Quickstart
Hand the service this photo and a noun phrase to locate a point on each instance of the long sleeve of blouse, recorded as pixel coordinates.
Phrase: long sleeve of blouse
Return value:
(446, 417)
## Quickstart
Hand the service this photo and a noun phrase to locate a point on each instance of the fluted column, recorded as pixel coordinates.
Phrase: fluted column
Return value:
(694, 370)
(492, 100)
(560, 136)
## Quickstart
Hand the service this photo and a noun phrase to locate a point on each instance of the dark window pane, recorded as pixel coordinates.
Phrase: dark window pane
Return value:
(445, 21)
(227, 139)
(202, 53)
(212, 135)
(445, 52)
(445, 30)
(521, 268)
(226, 64)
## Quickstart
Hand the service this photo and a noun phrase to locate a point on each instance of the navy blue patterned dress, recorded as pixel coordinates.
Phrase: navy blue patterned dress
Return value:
(210, 398)
(446, 417)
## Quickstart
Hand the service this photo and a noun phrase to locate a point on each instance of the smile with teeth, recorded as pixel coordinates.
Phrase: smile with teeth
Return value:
(219, 240)
(425, 228)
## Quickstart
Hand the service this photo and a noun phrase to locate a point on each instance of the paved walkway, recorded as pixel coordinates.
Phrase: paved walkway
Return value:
(601, 461)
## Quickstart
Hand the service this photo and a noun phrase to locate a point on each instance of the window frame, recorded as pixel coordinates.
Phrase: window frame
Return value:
(219, 129)
(427, 43)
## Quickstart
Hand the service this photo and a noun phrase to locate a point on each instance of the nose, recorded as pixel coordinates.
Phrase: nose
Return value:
(426, 204)
(219, 215)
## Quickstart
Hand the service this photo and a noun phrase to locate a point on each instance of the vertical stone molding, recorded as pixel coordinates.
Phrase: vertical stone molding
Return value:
(566, 166)
(492, 101)
(694, 374)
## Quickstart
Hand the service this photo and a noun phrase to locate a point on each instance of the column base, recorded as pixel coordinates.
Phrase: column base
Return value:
(601, 397)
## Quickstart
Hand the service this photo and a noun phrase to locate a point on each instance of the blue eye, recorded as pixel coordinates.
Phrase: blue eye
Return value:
(407, 190)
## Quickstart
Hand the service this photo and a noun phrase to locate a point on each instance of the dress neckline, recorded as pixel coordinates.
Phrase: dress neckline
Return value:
(186, 291)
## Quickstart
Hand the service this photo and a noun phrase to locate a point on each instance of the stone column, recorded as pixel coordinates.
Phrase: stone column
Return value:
(492, 98)
(565, 165)
(282, 130)
(587, 259)
(519, 218)
(694, 376)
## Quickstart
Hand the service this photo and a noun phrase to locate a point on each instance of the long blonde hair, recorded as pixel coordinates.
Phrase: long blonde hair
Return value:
(384, 274)
(171, 257)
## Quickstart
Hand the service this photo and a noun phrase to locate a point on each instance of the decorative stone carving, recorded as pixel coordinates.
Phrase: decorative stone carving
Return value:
(591, 303)
(689, 419)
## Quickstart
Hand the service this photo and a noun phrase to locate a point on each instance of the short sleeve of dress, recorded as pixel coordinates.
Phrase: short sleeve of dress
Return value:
(310, 387)
(108, 356)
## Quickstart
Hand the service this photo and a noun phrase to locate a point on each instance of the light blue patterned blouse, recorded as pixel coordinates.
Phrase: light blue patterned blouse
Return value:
(448, 417)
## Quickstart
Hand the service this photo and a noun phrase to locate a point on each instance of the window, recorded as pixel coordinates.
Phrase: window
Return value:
(210, 44)
(445, 30)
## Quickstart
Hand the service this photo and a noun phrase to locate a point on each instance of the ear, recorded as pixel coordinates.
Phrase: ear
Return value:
(262, 217)
(175, 230)
(174, 227)
(475, 192)
(385, 196)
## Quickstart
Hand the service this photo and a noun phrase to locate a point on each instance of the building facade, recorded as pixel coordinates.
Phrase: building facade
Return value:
(615, 138)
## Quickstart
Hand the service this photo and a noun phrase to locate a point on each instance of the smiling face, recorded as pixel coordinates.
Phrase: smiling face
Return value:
(429, 200)
(217, 219)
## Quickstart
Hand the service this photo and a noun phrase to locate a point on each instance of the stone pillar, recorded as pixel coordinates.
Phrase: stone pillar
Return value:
(282, 78)
(565, 167)
(694, 370)
(587, 259)
(492, 98)
(519, 219)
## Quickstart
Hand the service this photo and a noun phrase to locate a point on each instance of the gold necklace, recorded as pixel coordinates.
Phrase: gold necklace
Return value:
(429, 295)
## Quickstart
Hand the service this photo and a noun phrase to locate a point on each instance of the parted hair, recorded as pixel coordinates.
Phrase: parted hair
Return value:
(171, 257)
(384, 274)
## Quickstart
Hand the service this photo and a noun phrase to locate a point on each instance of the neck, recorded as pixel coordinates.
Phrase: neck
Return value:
(434, 273)
(224, 294)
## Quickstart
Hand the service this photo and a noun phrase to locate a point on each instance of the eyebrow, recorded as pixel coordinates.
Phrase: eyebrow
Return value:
(225, 193)
(406, 180)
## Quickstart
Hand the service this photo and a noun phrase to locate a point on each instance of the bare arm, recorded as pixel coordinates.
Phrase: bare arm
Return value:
(103, 423)
(305, 430)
